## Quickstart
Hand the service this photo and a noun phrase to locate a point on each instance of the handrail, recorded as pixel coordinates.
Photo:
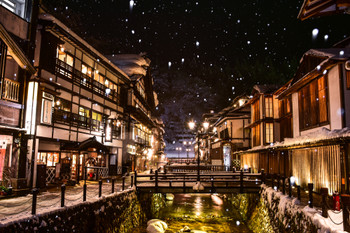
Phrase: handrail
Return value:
(11, 90)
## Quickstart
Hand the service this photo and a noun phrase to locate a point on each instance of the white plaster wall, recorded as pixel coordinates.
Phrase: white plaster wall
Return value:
(335, 117)
(85, 103)
(346, 99)
(61, 134)
(295, 109)
(120, 155)
(44, 131)
(65, 95)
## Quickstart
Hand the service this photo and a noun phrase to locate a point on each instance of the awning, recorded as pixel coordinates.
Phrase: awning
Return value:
(85, 145)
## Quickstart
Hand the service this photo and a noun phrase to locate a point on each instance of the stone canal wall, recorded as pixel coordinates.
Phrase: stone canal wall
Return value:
(275, 212)
(114, 213)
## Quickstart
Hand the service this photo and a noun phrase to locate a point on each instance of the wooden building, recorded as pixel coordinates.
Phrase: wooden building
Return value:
(232, 133)
(140, 107)
(15, 71)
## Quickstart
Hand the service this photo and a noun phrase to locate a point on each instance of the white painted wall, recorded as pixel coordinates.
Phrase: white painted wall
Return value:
(335, 116)
(295, 109)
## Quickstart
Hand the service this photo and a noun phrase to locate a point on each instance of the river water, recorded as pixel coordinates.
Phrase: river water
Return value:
(201, 213)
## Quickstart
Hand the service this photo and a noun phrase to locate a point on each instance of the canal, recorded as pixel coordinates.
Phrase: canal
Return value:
(200, 213)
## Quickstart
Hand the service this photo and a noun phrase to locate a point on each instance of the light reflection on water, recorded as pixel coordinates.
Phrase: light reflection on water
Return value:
(201, 213)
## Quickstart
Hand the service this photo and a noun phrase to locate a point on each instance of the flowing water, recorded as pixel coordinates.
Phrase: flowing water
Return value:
(201, 213)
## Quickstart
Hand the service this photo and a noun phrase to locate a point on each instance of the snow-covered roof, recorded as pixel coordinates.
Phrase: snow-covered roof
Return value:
(131, 64)
(266, 88)
(331, 53)
(323, 134)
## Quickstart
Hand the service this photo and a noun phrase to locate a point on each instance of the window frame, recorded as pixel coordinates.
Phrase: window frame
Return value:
(309, 109)
(46, 99)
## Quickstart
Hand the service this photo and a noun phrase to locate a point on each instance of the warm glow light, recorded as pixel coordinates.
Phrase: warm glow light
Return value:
(191, 124)
(206, 125)
(31, 107)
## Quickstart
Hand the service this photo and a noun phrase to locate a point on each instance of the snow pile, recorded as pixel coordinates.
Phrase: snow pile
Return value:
(156, 226)
(198, 186)
(289, 210)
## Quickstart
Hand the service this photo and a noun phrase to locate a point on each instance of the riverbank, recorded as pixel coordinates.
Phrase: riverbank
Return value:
(276, 212)
(118, 212)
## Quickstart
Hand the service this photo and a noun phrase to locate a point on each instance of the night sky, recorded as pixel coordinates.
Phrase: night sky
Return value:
(204, 53)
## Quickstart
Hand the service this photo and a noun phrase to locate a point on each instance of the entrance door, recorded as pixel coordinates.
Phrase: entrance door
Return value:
(227, 156)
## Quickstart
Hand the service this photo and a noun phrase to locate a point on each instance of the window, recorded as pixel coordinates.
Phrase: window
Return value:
(313, 109)
(256, 111)
(18, 7)
(285, 106)
(269, 132)
(46, 108)
(84, 115)
(256, 135)
(66, 58)
(348, 79)
(50, 159)
(117, 128)
(62, 111)
(86, 70)
(96, 120)
(268, 107)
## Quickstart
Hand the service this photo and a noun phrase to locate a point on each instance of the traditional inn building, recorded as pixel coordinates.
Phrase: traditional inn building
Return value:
(232, 133)
(140, 106)
(66, 111)
(15, 71)
(74, 107)
(314, 117)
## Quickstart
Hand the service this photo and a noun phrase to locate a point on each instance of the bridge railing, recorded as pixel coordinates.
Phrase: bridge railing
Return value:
(202, 168)
(238, 180)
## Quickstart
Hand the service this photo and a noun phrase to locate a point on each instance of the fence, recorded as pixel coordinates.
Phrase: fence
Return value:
(202, 168)
(34, 202)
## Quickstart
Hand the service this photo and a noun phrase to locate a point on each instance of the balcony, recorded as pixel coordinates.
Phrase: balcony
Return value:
(68, 118)
(67, 71)
(10, 90)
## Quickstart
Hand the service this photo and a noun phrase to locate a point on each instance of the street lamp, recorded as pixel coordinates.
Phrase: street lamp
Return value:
(192, 125)
(178, 152)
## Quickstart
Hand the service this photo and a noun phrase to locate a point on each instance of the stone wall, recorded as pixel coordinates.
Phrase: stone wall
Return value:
(279, 213)
(115, 213)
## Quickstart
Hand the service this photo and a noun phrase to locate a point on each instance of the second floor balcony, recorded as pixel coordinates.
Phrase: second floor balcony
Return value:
(10, 90)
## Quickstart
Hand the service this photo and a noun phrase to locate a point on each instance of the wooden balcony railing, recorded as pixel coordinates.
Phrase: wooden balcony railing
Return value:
(82, 79)
(11, 90)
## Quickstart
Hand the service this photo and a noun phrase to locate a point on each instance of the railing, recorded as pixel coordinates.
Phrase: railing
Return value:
(188, 182)
(66, 197)
(50, 174)
(80, 78)
(99, 172)
(203, 168)
(11, 90)
(74, 119)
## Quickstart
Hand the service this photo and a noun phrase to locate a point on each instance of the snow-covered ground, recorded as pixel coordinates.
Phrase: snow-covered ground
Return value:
(14, 209)
(332, 224)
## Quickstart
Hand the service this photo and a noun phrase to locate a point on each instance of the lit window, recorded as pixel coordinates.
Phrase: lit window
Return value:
(268, 107)
(269, 133)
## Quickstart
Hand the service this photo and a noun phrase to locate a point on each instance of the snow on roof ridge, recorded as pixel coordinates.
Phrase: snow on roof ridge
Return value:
(313, 137)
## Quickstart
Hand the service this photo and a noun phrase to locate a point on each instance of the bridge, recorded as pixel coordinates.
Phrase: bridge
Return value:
(212, 182)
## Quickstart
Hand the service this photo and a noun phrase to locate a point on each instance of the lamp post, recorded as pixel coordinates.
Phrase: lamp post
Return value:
(192, 125)
(178, 152)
